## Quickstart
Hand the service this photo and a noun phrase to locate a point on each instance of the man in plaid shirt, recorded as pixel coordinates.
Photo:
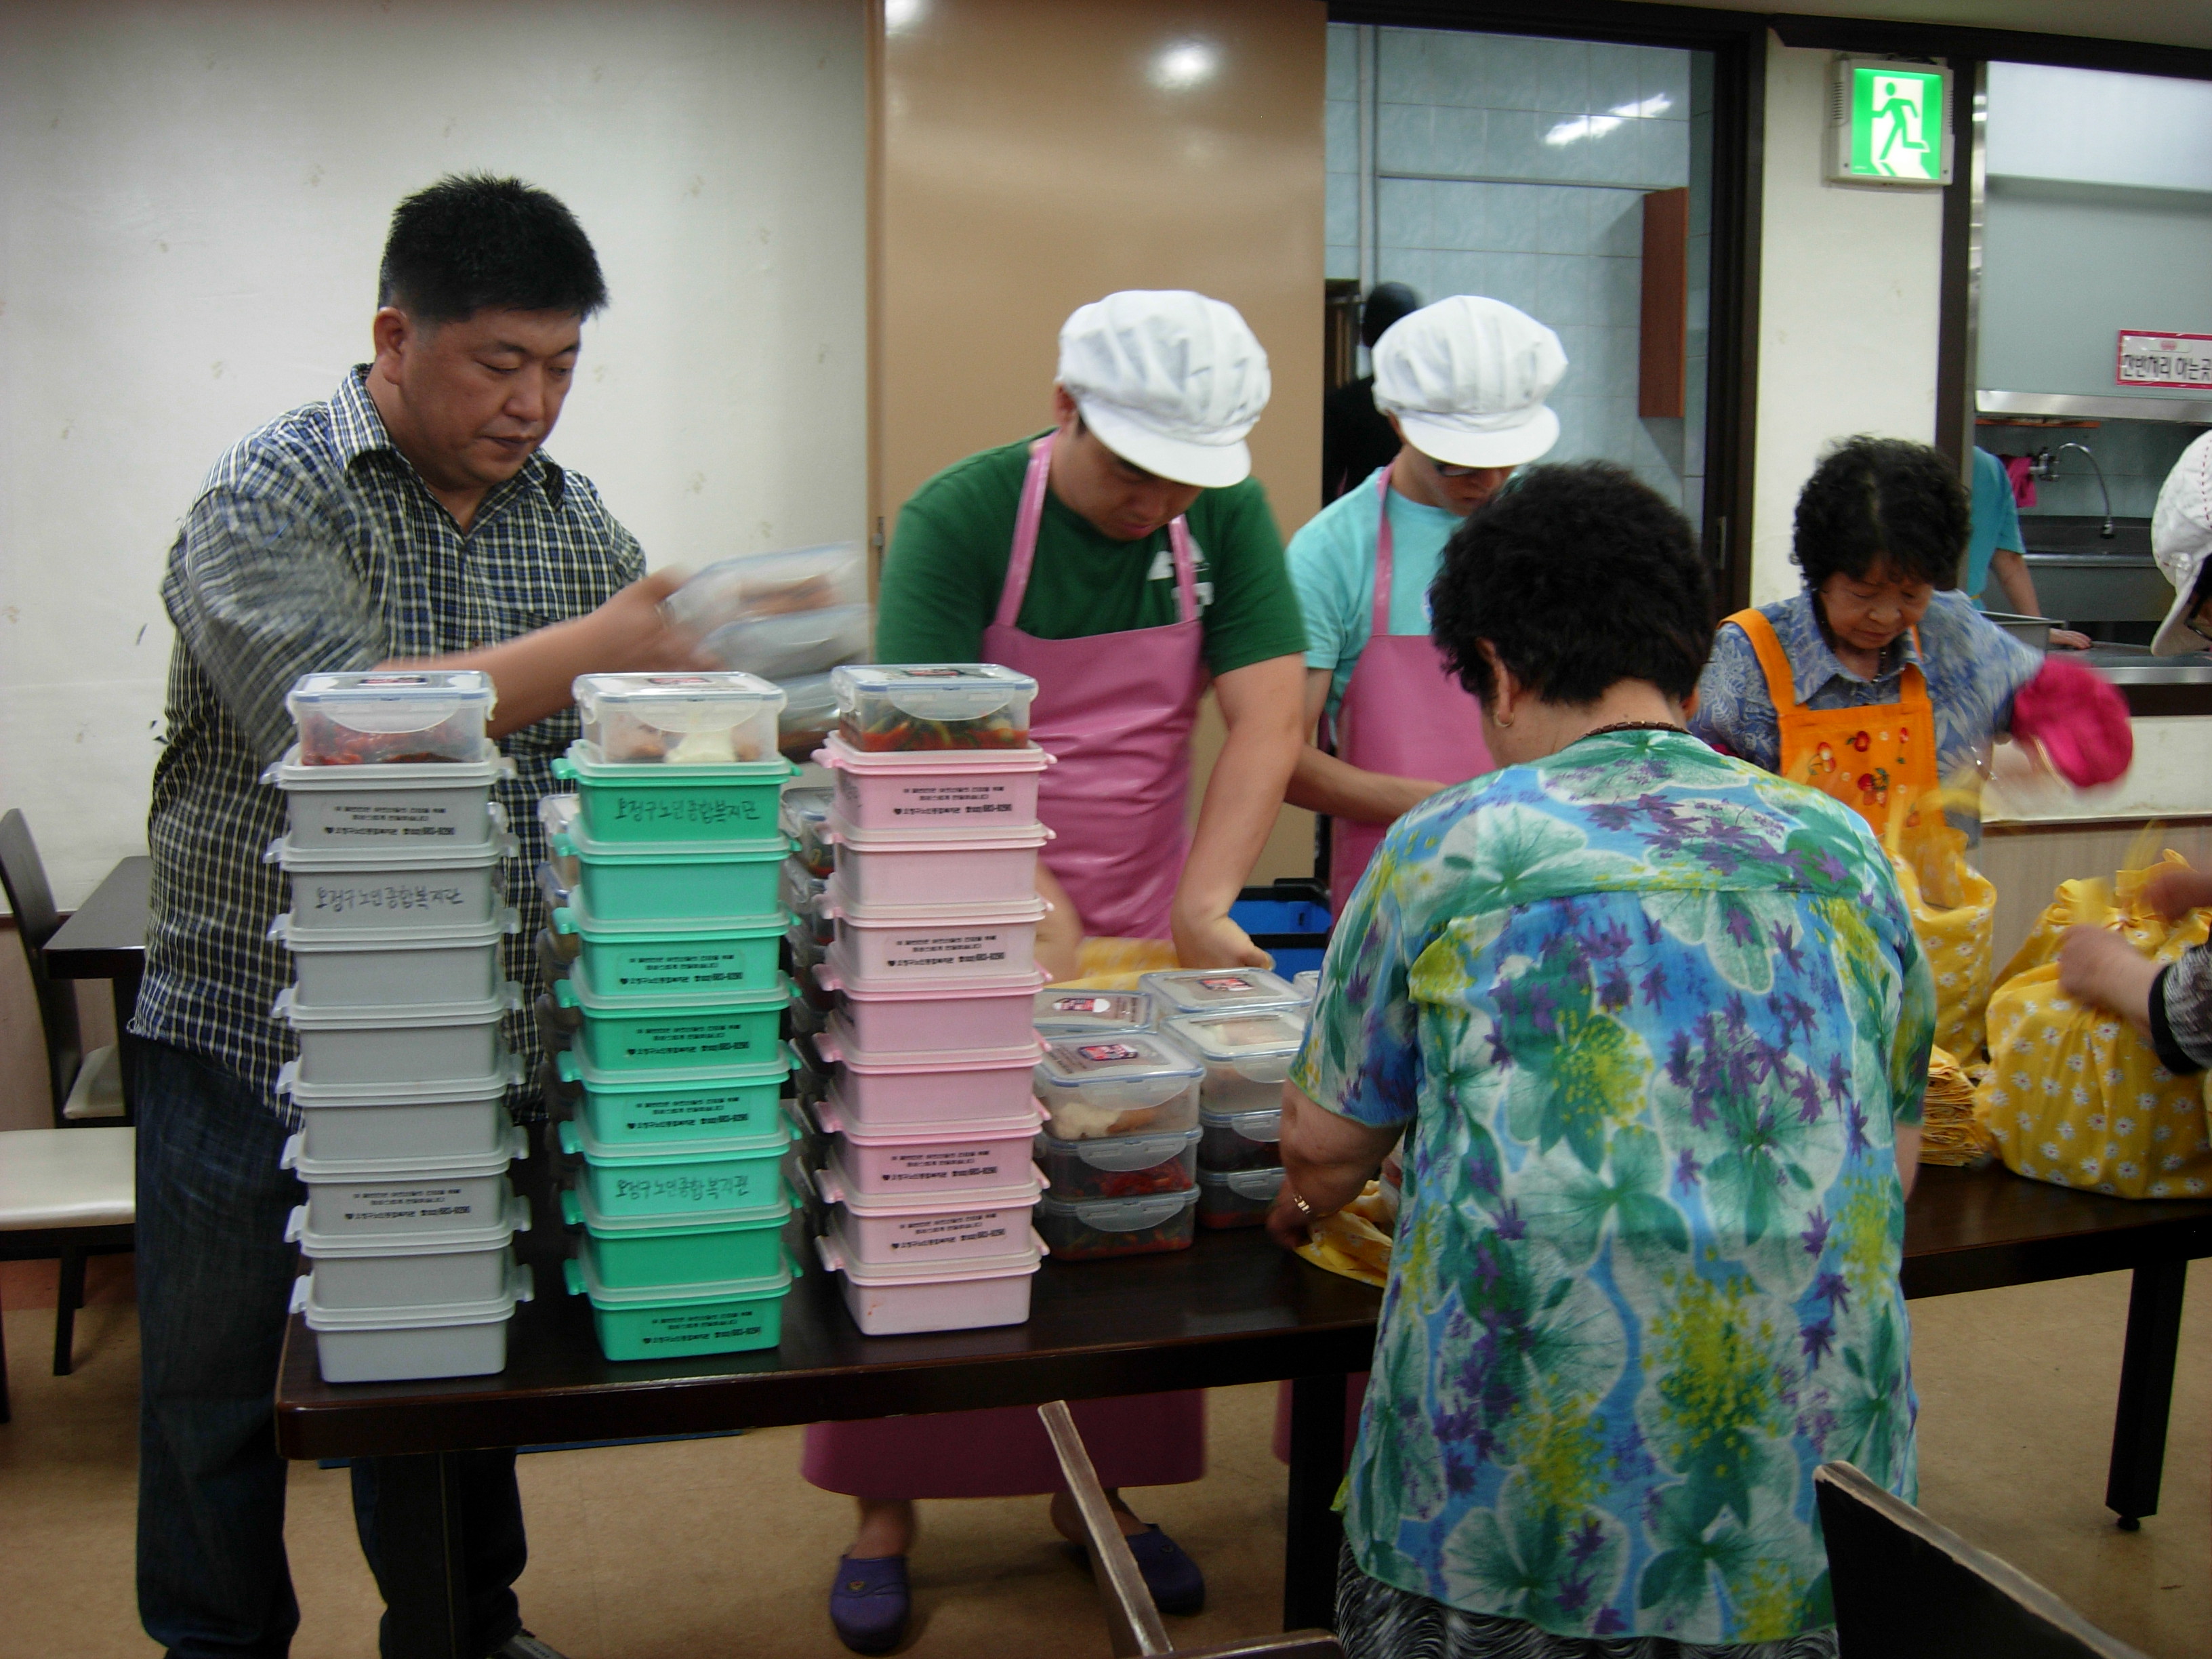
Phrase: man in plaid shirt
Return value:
(410, 520)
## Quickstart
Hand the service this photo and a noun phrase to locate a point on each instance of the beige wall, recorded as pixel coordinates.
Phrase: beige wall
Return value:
(1026, 162)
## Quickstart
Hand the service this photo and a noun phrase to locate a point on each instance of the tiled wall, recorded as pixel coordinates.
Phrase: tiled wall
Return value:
(2136, 455)
(1516, 168)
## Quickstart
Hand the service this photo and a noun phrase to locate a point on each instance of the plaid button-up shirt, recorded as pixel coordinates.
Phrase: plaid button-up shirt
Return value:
(315, 546)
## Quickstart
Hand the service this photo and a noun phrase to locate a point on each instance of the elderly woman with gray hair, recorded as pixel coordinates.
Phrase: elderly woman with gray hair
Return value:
(1656, 1030)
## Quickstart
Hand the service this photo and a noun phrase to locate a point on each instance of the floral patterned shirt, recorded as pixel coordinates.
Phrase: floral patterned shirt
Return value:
(1653, 1013)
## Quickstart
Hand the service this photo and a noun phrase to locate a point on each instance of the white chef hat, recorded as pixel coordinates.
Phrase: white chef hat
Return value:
(2180, 540)
(1466, 378)
(1170, 381)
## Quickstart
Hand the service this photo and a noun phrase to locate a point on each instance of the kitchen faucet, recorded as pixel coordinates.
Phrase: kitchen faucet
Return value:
(2046, 466)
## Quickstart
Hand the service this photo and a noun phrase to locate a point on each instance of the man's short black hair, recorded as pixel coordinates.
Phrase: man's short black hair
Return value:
(471, 243)
(1385, 304)
(1876, 501)
(1580, 576)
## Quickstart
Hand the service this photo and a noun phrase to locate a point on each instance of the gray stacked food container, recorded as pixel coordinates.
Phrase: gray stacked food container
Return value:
(395, 849)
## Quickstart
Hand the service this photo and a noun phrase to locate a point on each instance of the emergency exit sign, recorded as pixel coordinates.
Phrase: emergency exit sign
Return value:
(1889, 124)
(2148, 359)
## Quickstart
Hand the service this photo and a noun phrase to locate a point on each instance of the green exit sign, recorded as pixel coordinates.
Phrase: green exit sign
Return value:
(1889, 124)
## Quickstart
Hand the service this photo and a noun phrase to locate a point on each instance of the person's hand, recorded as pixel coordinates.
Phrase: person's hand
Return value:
(2175, 893)
(2098, 968)
(1216, 942)
(631, 635)
(1286, 1222)
(2065, 638)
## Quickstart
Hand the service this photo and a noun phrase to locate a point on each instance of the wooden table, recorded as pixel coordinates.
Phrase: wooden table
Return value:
(105, 938)
(1233, 1309)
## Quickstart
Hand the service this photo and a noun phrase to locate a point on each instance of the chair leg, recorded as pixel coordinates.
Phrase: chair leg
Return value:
(4, 1413)
(69, 1298)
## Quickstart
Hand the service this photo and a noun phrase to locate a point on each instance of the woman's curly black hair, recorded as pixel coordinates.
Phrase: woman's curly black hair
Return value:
(1580, 576)
(1876, 501)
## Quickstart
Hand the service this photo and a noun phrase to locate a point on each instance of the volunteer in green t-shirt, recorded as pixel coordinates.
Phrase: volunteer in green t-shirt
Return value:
(1125, 558)
(1463, 383)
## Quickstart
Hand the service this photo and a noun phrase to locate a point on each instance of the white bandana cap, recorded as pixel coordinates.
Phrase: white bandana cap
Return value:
(1466, 378)
(2180, 540)
(1170, 381)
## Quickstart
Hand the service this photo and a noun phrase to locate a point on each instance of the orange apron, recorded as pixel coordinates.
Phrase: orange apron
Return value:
(1866, 756)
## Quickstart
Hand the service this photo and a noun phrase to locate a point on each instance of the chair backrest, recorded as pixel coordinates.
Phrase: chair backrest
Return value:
(1908, 1589)
(24, 877)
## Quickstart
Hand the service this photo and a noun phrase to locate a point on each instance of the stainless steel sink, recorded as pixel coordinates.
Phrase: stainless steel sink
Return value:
(2081, 576)
(2133, 665)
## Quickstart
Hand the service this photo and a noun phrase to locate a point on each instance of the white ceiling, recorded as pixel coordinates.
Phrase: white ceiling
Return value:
(2166, 22)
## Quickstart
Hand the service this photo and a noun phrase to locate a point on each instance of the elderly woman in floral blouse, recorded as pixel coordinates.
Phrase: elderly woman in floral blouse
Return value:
(1661, 1027)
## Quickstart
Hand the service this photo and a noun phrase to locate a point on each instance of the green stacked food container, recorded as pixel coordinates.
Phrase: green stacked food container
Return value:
(678, 1136)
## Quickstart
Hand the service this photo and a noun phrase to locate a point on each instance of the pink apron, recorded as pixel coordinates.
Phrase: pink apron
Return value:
(1402, 713)
(1117, 709)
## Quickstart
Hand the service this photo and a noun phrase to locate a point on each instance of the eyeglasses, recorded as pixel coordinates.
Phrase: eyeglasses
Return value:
(1445, 472)
(2190, 622)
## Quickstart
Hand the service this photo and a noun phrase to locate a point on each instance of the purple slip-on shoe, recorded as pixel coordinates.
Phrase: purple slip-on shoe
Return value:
(869, 1603)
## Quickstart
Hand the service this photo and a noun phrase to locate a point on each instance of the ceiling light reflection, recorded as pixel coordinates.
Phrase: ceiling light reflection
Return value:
(1185, 64)
(1596, 126)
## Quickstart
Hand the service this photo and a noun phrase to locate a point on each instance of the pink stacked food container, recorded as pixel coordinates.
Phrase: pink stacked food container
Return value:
(927, 929)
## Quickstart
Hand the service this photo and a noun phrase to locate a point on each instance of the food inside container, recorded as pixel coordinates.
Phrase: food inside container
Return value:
(1247, 1054)
(1092, 1229)
(1131, 1166)
(805, 815)
(1212, 990)
(1060, 1011)
(1120, 1084)
(1241, 1198)
(810, 713)
(678, 720)
(1240, 1140)
(932, 707)
(384, 717)
(750, 586)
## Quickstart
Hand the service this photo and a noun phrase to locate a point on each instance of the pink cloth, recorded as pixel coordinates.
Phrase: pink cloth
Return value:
(2019, 473)
(2079, 719)
(1403, 713)
(1117, 709)
(1138, 1440)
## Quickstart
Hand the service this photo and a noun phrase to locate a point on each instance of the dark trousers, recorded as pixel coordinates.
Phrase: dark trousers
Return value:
(215, 1280)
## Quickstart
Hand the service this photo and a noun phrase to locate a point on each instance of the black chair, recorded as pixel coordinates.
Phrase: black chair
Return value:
(65, 1192)
(1908, 1589)
(1133, 1622)
(86, 1086)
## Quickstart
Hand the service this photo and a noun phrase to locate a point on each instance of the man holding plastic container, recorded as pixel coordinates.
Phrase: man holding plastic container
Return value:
(1124, 559)
(409, 521)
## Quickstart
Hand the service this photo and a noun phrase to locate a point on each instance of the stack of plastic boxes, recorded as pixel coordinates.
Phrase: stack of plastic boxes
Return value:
(677, 1136)
(929, 972)
(1244, 1025)
(394, 848)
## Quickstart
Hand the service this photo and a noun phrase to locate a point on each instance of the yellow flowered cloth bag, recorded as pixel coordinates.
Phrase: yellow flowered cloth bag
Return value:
(2073, 1096)
(1954, 912)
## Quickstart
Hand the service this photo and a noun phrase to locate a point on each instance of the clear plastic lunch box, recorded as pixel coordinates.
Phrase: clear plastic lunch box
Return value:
(1237, 1198)
(793, 582)
(804, 894)
(1240, 1140)
(1306, 985)
(1133, 1083)
(678, 720)
(932, 707)
(1061, 1012)
(409, 717)
(1247, 1054)
(803, 816)
(1212, 990)
(1127, 1166)
(1092, 1229)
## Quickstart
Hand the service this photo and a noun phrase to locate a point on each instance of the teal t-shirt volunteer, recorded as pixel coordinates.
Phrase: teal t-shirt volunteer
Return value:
(1332, 563)
(1996, 523)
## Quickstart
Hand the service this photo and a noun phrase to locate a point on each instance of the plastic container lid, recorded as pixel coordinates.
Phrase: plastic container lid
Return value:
(393, 700)
(829, 1114)
(290, 773)
(1245, 1183)
(831, 1183)
(557, 814)
(516, 1145)
(646, 853)
(367, 860)
(714, 1000)
(584, 761)
(570, 1065)
(576, 1139)
(998, 838)
(836, 1045)
(1060, 1011)
(795, 581)
(508, 920)
(451, 1242)
(575, 918)
(830, 976)
(1139, 1151)
(805, 811)
(577, 1210)
(934, 691)
(1260, 1123)
(1129, 1070)
(314, 1096)
(838, 1256)
(679, 719)
(1306, 985)
(521, 1287)
(839, 756)
(582, 1280)
(792, 646)
(440, 1014)
(1237, 1037)
(1206, 990)
(1121, 1215)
